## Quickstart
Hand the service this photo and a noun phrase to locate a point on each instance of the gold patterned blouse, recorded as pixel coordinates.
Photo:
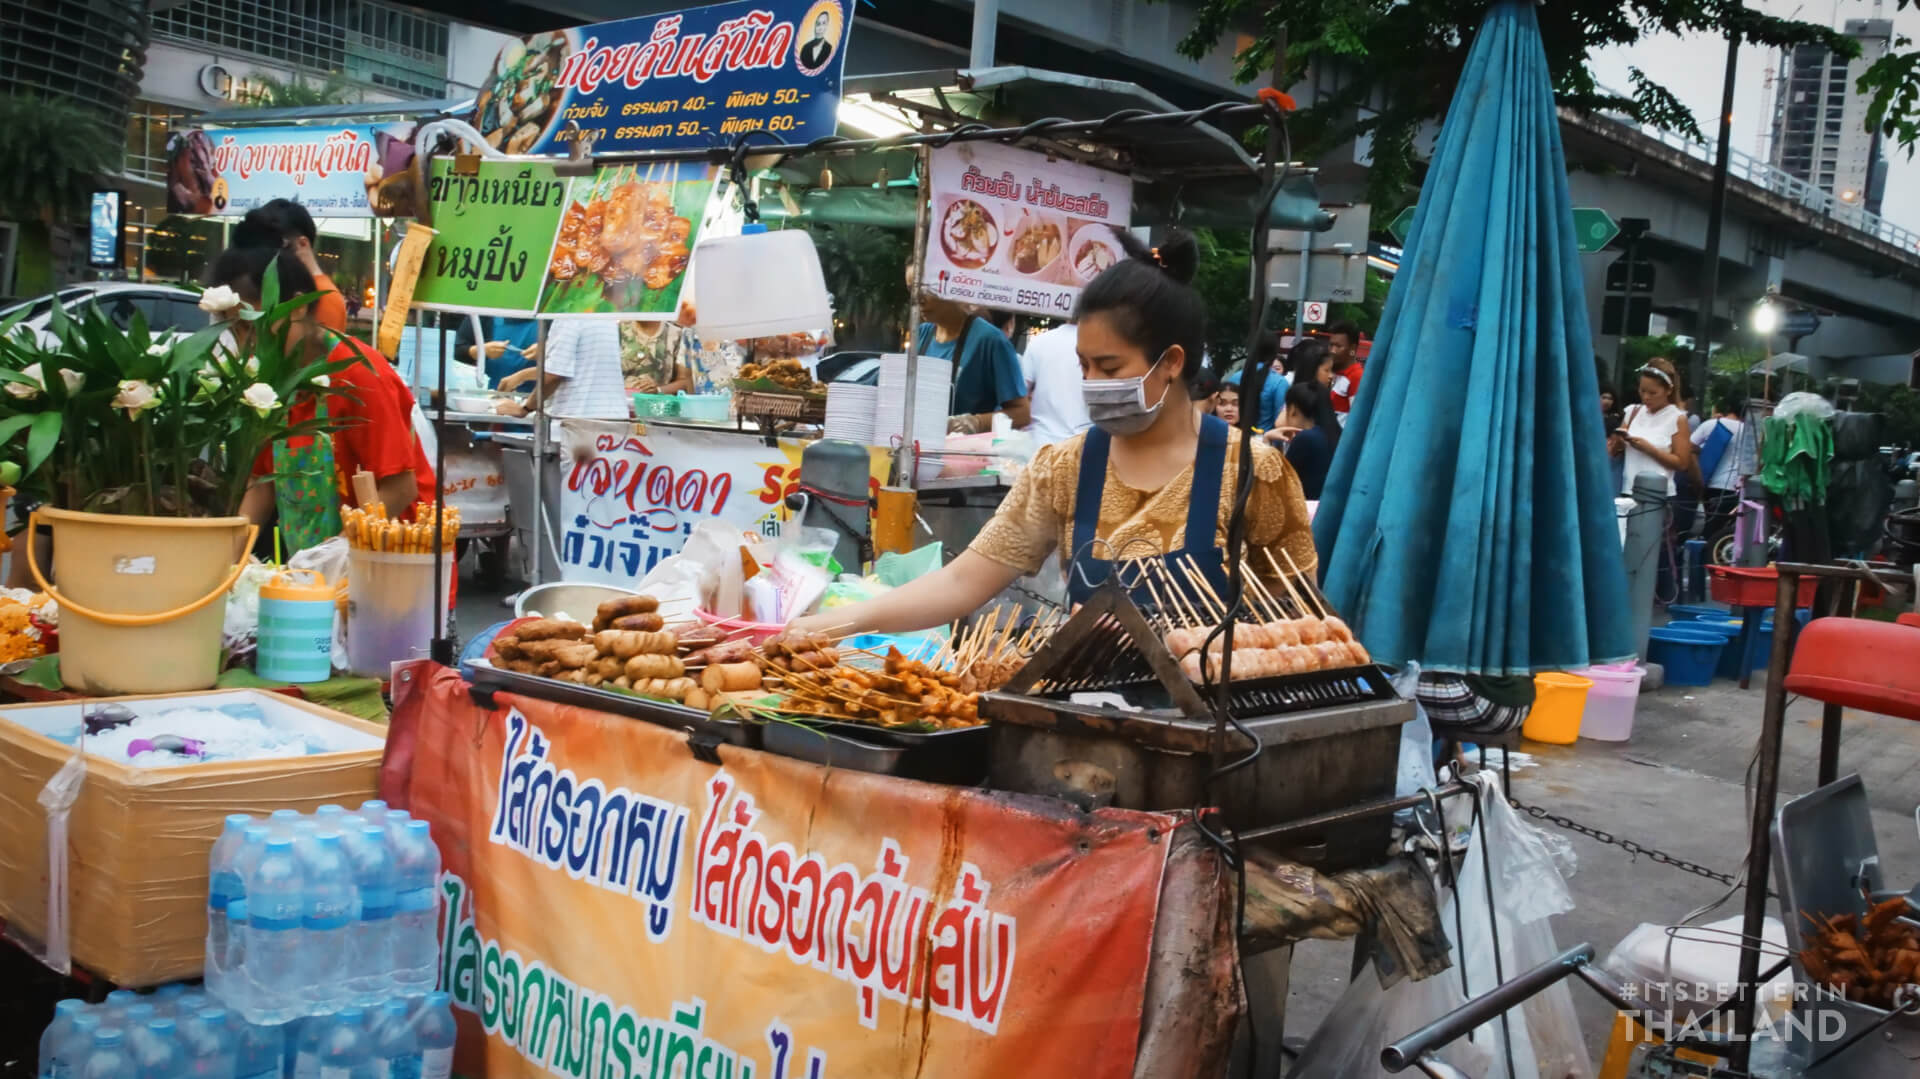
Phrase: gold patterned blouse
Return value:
(1037, 515)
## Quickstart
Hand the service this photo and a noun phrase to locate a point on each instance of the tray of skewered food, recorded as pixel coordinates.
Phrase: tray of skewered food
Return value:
(1276, 642)
(1868, 959)
(629, 662)
(781, 376)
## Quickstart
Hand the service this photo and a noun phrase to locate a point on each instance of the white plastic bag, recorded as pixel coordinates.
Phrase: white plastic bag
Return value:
(242, 623)
(57, 798)
(1512, 894)
(1416, 739)
(706, 574)
(329, 559)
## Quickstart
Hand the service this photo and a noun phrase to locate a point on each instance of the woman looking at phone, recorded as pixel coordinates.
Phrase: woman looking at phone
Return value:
(1653, 437)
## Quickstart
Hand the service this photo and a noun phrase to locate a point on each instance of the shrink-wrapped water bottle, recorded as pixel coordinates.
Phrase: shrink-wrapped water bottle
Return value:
(416, 932)
(370, 953)
(224, 884)
(276, 902)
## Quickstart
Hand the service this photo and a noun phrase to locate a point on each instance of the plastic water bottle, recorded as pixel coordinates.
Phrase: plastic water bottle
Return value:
(133, 1021)
(329, 816)
(306, 1046)
(117, 1002)
(166, 999)
(192, 1001)
(224, 884)
(434, 1029)
(280, 824)
(345, 1052)
(52, 1058)
(156, 1049)
(370, 959)
(416, 931)
(256, 1049)
(275, 904)
(109, 1058)
(209, 1046)
(396, 1051)
(71, 1050)
(327, 923)
(374, 810)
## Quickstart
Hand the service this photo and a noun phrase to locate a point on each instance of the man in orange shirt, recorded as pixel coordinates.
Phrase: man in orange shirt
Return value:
(283, 223)
(372, 421)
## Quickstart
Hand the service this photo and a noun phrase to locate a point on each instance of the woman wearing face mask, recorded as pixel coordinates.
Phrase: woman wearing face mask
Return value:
(1152, 478)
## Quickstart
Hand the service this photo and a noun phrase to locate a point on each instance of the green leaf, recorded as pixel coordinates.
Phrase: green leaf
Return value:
(13, 425)
(43, 437)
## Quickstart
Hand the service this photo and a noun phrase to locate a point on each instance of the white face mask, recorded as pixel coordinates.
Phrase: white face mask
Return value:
(1119, 406)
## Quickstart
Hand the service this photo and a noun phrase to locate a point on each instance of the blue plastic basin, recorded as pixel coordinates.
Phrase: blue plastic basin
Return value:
(1688, 652)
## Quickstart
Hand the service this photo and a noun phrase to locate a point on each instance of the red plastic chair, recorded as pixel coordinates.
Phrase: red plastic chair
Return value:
(1859, 663)
(1908, 618)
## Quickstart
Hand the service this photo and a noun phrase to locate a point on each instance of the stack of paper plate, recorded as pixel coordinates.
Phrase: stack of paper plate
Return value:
(932, 392)
(850, 412)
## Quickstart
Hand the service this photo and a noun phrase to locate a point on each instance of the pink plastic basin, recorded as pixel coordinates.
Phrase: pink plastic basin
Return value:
(1610, 703)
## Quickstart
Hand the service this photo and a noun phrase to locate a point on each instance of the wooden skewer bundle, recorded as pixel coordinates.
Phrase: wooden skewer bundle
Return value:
(1296, 636)
(370, 529)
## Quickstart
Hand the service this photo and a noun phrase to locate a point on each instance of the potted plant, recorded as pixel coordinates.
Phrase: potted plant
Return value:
(141, 447)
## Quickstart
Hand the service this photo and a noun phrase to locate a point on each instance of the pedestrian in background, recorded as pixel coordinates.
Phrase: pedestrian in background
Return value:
(1343, 347)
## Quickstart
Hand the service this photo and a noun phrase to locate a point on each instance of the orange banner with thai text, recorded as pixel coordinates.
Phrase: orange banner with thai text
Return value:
(613, 906)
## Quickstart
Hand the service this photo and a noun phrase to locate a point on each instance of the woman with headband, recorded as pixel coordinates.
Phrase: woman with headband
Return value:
(1654, 436)
(1152, 479)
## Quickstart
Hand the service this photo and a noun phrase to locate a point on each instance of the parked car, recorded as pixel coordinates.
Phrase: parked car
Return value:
(166, 309)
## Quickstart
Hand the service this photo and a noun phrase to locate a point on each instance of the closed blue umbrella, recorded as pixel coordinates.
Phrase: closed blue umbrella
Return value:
(1467, 522)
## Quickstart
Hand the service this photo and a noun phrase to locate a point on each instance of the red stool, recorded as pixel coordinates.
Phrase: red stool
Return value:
(1857, 663)
(1908, 618)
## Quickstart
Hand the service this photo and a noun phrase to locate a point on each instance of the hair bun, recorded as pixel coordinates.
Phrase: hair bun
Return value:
(1177, 255)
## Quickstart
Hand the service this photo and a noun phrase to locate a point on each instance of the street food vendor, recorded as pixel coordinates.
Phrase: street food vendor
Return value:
(986, 370)
(301, 483)
(284, 223)
(1152, 478)
(498, 346)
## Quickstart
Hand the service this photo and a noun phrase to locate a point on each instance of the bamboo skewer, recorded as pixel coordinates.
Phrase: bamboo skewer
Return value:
(1180, 595)
(1287, 583)
(1200, 581)
(1269, 606)
(1313, 590)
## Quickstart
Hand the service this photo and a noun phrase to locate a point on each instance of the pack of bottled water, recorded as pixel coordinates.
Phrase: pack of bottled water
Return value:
(177, 1033)
(313, 915)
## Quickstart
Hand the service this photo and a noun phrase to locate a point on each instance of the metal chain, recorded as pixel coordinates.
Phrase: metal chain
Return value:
(1628, 845)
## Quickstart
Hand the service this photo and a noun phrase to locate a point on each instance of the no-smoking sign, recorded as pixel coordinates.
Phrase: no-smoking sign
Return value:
(1314, 313)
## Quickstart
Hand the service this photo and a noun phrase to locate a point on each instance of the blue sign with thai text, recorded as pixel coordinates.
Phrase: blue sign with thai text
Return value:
(683, 80)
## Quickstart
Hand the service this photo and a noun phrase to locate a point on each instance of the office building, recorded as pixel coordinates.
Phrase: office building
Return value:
(1820, 131)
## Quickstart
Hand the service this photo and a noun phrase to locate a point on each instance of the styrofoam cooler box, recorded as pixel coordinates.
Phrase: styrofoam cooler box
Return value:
(138, 837)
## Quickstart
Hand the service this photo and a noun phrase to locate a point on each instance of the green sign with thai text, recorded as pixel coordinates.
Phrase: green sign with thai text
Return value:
(494, 235)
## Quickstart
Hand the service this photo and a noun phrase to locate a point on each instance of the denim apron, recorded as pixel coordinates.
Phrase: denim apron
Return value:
(1087, 573)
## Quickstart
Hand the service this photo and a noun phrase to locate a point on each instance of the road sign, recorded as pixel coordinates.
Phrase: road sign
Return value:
(1593, 229)
(1314, 313)
(1401, 225)
(1614, 311)
(1642, 275)
(1798, 322)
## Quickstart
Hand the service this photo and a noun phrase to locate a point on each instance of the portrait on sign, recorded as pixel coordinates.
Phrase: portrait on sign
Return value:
(822, 27)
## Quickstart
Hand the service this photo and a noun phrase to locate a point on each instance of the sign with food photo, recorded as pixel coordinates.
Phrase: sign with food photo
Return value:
(362, 170)
(516, 239)
(1019, 231)
(693, 78)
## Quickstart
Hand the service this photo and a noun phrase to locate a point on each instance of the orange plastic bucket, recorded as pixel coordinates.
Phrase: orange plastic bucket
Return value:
(141, 597)
(1559, 701)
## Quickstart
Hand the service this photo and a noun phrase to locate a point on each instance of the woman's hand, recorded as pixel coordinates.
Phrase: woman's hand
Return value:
(644, 384)
(509, 407)
(531, 353)
(494, 349)
(1616, 446)
(517, 380)
(1280, 436)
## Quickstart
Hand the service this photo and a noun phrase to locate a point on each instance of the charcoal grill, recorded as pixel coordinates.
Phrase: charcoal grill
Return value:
(1103, 716)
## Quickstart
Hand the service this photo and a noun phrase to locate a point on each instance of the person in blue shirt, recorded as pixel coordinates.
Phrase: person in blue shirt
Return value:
(1309, 449)
(498, 346)
(986, 376)
(1273, 393)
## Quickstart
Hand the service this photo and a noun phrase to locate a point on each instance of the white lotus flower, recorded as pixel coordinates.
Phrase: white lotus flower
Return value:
(218, 300)
(261, 398)
(322, 381)
(161, 348)
(136, 396)
(27, 391)
(253, 366)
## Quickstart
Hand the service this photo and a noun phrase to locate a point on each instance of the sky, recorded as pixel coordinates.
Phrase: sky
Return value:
(1694, 68)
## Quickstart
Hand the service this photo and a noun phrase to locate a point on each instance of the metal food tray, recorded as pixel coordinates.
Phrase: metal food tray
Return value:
(647, 709)
(957, 757)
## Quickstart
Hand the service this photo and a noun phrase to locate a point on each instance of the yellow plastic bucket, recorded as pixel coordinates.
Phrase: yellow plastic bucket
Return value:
(1559, 700)
(139, 597)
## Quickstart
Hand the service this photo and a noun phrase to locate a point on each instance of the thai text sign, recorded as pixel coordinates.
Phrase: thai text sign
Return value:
(613, 906)
(628, 500)
(332, 171)
(515, 239)
(693, 78)
(1019, 231)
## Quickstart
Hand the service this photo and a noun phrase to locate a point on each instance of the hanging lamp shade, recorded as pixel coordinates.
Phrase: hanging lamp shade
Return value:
(1468, 521)
(759, 284)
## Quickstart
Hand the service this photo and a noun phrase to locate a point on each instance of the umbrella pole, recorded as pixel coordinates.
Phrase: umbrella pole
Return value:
(1716, 214)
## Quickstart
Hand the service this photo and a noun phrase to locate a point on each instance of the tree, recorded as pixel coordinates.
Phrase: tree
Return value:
(52, 153)
(262, 92)
(1398, 60)
(1894, 82)
(865, 269)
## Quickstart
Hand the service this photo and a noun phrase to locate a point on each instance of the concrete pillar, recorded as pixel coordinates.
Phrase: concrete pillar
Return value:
(986, 20)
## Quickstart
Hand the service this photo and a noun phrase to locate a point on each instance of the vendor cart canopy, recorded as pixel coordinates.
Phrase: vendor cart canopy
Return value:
(1467, 522)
